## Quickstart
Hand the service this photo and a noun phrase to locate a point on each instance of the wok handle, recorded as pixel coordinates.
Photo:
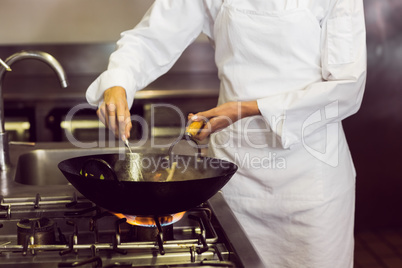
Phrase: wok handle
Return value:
(194, 128)
(188, 138)
(98, 162)
(189, 134)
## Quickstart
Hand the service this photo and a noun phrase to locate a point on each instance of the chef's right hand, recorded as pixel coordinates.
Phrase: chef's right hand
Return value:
(115, 113)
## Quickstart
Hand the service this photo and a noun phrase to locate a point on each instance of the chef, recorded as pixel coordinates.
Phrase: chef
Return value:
(290, 72)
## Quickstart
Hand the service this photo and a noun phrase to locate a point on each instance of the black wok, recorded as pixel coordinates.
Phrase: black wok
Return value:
(139, 184)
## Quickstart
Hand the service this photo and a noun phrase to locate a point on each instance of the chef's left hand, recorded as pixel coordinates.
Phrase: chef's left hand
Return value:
(223, 115)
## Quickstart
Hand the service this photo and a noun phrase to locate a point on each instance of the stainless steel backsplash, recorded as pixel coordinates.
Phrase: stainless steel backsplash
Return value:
(92, 59)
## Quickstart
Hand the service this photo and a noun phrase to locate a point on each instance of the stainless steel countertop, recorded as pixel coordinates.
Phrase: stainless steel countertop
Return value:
(10, 188)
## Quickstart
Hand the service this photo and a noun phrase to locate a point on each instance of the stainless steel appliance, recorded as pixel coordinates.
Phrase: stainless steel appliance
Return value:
(70, 231)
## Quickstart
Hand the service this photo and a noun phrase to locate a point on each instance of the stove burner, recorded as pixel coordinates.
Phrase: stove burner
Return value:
(149, 221)
(150, 233)
(110, 241)
(39, 231)
(148, 228)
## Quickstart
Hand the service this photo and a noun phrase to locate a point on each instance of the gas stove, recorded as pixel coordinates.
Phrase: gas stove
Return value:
(71, 231)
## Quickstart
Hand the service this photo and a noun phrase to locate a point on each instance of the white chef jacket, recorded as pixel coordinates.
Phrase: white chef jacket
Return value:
(296, 200)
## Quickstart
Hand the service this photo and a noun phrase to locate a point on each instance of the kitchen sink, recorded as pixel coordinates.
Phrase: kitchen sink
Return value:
(39, 167)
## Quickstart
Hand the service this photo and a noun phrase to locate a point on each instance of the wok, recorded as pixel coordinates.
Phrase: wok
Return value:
(139, 184)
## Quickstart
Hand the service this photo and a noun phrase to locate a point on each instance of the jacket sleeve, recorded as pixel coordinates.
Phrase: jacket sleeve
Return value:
(151, 48)
(339, 94)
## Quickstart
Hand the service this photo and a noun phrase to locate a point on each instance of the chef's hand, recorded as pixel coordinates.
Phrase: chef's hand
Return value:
(114, 112)
(223, 115)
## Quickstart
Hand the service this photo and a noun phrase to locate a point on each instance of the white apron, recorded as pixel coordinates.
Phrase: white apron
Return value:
(297, 210)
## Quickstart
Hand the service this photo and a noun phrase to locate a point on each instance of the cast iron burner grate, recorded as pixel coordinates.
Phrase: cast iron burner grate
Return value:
(89, 236)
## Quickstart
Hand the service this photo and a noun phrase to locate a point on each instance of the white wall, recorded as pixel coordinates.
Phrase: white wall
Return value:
(68, 21)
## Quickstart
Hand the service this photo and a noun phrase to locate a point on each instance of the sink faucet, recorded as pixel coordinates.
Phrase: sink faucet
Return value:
(5, 65)
(39, 55)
